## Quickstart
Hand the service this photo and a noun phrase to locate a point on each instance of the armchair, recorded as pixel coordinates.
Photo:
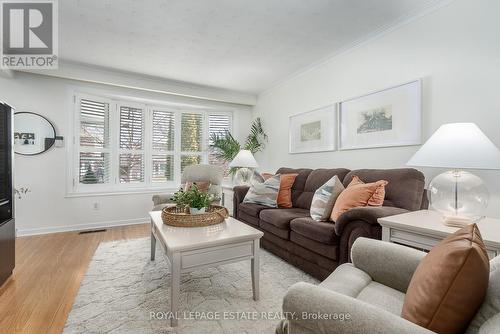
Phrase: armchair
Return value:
(366, 296)
(194, 173)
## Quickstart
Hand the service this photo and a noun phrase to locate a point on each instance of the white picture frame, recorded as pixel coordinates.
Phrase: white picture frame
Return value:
(386, 118)
(313, 131)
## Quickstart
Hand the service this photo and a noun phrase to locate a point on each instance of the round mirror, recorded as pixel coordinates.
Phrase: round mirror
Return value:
(33, 134)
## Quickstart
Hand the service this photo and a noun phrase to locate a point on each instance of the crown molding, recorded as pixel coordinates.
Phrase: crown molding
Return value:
(123, 79)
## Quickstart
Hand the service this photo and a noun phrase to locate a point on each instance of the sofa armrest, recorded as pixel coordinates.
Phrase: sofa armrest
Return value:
(239, 195)
(368, 214)
(162, 198)
(386, 263)
(304, 302)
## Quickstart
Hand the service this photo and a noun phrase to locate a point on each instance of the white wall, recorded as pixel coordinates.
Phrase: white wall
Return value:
(45, 208)
(456, 51)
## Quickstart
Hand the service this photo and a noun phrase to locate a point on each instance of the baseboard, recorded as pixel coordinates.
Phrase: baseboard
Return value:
(80, 227)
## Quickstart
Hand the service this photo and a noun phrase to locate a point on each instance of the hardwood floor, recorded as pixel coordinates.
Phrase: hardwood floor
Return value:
(49, 269)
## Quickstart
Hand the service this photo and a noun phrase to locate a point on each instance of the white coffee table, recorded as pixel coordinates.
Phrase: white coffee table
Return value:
(192, 248)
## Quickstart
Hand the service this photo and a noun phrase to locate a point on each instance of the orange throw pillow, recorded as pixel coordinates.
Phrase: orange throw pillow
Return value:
(449, 284)
(285, 193)
(355, 196)
(266, 176)
(203, 186)
(378, 196)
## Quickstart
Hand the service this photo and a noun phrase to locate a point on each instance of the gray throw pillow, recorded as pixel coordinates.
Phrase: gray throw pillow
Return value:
(324, 198)
(264, 193)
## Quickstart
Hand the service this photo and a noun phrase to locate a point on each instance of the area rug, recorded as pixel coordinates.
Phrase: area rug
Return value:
(124, 292)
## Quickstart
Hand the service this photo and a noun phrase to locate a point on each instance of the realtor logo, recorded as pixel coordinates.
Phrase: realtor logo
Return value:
(29, 34)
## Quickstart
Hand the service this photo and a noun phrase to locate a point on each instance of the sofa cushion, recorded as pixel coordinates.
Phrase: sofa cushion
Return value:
(404, 190)
(314, 230)
(329, 251)
(249, 219)
(383, 296)
(291, 250)
(316, 179)
(283, 234)
(252, 209)
(448, 304)
(281, 218)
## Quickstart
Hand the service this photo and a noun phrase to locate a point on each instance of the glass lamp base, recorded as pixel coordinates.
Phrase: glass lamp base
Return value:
(460, 196)
(243, 177)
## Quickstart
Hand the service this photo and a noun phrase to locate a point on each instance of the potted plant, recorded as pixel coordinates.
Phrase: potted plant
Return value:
(194, 199)
(225, 147)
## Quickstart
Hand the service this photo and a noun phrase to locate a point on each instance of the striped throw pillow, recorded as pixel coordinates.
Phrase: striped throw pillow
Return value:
(265, 193)
(324, 198)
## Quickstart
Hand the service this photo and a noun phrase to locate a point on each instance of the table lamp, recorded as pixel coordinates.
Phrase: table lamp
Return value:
(460, 196)
(244, 160)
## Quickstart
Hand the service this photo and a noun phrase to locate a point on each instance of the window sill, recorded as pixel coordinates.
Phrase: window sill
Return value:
(120, 192)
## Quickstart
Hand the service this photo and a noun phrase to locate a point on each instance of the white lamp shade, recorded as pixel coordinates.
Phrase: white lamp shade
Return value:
(244, 158)
(458, 146)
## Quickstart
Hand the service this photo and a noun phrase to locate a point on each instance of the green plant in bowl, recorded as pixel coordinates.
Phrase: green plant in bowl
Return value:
(196, 200)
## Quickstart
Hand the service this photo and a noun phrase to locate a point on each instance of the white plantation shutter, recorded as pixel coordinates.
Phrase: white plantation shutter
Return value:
(191, 139)
(131, 152)
(131, 128)
(187, 160)
(94, 157)
(94, 124)
(122, 145)
(94, 167)
(218, 124)
(191, 132)
(131, 168)
(163, 136)
(163, 130)
(163, 168)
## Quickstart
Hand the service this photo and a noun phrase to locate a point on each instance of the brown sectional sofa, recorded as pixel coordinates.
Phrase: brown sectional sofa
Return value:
(319, 247)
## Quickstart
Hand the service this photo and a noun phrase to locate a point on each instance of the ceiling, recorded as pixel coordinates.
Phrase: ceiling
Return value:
(240, 45)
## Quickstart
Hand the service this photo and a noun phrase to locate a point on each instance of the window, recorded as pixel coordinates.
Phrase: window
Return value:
(218, 124)
(94, 165)
(191, 139)
(124, 146)
(163, 146)
(131, 152)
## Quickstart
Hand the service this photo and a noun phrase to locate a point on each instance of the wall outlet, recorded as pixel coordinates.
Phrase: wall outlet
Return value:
(97, 206)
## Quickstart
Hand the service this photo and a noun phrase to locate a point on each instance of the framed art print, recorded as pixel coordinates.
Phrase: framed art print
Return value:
(313, 131)
(391, 117)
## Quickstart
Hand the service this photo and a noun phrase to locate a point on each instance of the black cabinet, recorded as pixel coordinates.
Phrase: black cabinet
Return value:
(7, 227)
